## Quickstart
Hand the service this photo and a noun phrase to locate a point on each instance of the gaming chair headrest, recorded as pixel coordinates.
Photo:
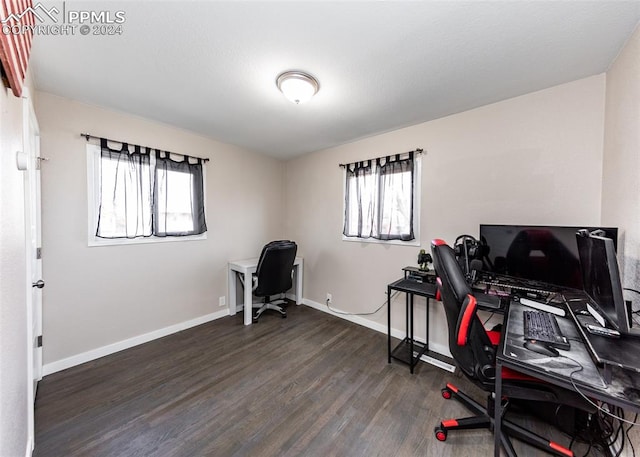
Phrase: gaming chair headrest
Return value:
(448, 269)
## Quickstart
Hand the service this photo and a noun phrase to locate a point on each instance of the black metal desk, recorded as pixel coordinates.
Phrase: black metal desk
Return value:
(623, 352)
(562, 371)
(408, 350)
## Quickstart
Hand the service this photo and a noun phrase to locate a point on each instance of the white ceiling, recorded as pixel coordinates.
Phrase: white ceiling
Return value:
(210, 67)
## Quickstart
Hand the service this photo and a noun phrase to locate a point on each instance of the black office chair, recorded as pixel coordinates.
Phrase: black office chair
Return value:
(474, 350)
(273, 276)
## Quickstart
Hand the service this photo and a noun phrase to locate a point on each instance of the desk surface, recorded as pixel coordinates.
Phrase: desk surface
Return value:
(623, 352)
(573, 369)
(424, 289)
(247, 264)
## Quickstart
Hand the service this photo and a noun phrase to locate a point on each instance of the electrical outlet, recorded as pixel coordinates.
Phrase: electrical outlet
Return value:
(329, 298)
(222, 301)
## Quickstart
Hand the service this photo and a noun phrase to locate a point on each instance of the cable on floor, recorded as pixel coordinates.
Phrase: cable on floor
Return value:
(361, 314)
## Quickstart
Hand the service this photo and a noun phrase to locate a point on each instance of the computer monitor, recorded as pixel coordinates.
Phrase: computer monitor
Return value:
(541, 253)
(601, 279)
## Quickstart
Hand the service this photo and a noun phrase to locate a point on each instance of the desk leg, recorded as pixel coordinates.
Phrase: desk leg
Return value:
(232, 292)
(388, 325)
(426, 332)
(412, 362)
(248, 299)
(497, 414)
(299, 284)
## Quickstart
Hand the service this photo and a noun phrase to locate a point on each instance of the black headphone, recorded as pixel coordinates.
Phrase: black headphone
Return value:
(467, 248)
(466, 245)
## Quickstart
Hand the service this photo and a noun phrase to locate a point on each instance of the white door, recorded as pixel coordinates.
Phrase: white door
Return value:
(31, 145)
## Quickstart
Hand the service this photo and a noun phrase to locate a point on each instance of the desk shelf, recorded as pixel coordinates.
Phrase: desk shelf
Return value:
(402, 352)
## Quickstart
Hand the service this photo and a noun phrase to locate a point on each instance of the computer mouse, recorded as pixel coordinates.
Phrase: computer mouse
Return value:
(541, 348)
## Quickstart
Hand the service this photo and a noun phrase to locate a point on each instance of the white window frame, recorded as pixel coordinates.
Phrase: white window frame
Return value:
(93, 203)
(417, 186)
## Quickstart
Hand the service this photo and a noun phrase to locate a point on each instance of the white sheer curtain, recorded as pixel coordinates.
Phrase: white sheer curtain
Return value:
(379, 199)
(125, 193)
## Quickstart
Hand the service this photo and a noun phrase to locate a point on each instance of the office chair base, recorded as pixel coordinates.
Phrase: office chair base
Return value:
(273, 306)
(483, 418)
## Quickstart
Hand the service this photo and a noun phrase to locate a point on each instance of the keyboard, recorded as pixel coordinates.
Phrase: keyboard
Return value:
(543, 326)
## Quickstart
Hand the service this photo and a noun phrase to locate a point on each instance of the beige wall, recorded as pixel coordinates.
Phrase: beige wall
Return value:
(96, 296)
(14, 426)
(534, 159)
(620, 185)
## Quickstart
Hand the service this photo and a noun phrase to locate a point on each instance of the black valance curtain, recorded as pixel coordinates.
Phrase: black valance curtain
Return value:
(144, 194)
(379, 198)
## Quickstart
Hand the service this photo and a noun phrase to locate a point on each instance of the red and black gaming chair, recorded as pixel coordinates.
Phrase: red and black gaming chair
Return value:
(474, 348)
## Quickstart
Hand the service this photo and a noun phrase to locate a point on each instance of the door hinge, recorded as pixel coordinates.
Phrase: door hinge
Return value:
(39, 161)
(38, 253)
(39, 342)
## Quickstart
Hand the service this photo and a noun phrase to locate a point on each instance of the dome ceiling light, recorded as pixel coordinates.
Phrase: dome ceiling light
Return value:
(297, 86)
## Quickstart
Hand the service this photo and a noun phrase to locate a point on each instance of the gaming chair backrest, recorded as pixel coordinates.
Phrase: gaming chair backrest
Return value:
(475, 358)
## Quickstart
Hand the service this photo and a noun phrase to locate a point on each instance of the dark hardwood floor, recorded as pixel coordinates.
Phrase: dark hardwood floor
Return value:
(311, 384)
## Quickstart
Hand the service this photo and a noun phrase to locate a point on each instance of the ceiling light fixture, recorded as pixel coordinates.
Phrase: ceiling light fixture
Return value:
(297, 86)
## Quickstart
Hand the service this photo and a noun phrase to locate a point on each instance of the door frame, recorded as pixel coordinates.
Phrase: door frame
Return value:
(32, 214)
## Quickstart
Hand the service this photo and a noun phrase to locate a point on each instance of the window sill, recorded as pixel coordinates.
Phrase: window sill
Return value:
(415, 242)
(96, 242)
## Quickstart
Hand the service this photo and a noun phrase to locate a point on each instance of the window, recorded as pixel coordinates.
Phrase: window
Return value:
(143, 196)
(382, 200)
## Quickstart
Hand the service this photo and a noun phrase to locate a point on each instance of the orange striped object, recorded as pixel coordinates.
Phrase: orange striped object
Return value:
(16, 16)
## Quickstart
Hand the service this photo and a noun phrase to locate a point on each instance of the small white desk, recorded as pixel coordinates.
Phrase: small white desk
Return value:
(247, 267)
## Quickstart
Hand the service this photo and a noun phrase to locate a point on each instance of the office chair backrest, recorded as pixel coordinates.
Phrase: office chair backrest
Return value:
(275, 267)
(469, 343)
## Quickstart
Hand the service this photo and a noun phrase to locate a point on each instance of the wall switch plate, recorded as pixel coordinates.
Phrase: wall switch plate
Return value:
(222, 301)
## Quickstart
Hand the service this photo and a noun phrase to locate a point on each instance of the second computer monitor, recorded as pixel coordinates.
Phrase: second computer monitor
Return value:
(601, 279)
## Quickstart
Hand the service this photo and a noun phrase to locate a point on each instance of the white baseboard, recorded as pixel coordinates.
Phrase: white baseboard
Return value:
(396, 333)
(93, 354)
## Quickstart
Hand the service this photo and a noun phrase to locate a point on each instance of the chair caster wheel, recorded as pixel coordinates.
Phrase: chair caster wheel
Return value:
(441, 434)
(446, 394)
